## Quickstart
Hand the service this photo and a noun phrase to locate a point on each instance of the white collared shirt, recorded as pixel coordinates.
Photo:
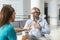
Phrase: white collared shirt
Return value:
(35, 31)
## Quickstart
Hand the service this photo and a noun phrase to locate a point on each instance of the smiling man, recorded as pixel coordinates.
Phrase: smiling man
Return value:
(38, 27)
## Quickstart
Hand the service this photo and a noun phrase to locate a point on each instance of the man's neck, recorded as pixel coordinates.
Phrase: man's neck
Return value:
(36, 19)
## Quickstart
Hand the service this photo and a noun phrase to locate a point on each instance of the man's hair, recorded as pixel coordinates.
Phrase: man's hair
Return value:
(36, 9)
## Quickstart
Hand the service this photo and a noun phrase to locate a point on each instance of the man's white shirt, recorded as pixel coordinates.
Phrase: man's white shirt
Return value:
(37, 32)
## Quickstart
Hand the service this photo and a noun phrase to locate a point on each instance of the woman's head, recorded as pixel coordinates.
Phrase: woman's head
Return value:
(8, 13)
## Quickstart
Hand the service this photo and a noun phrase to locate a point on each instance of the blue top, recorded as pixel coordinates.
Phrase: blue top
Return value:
(7, 32)
(37, 32)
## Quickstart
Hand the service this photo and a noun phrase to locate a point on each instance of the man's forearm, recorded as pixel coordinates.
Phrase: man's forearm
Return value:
(46, 30)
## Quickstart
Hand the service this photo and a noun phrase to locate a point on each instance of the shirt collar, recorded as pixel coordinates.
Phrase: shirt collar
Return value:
(40, 19)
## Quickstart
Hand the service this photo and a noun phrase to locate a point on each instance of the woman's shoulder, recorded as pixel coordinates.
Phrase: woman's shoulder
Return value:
(8, 27)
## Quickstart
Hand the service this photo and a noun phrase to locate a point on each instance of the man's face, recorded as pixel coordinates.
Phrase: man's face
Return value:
(35, 14)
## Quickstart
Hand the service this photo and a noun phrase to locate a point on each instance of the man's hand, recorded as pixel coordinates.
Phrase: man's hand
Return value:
(36, 25)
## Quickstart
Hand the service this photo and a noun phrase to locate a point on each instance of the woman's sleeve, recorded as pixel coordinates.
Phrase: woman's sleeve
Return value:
(11, 34)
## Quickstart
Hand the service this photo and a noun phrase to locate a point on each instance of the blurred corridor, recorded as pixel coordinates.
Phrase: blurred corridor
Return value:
(50, 10)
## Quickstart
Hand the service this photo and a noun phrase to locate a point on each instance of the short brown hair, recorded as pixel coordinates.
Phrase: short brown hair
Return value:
(36, 9)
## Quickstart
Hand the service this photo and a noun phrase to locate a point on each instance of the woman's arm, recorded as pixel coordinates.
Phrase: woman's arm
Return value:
(20, 29)
(11, 34)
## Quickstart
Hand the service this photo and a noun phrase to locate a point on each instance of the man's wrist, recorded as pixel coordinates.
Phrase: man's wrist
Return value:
(40, 27)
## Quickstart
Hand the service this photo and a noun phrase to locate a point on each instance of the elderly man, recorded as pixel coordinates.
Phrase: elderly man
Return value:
(37, 26)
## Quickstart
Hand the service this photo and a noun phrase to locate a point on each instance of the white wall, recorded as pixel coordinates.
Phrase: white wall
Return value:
(17, 5)
(27, 7)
